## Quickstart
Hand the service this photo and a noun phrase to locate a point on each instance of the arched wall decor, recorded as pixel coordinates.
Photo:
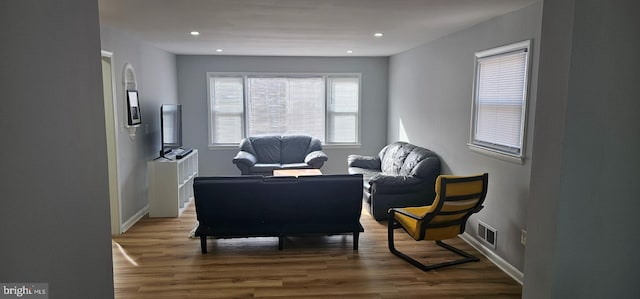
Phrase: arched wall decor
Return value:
(129, 83)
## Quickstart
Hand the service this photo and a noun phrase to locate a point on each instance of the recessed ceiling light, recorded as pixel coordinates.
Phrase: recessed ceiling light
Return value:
(218, 50)
(349, 51)
(194, 33)
(378, 34)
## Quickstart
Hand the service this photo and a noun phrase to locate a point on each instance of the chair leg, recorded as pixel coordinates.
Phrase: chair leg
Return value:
(203, 243)
(356, 238)
(425, 267)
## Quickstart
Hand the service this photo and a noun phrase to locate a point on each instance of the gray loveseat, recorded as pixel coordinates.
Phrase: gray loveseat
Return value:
(253, 206)
(260, 155)
(401, 175)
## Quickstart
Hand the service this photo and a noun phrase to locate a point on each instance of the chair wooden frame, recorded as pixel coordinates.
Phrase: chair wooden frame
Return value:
(426, 224)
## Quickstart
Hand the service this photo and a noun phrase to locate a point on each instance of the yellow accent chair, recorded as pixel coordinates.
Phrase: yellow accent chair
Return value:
(457, 198)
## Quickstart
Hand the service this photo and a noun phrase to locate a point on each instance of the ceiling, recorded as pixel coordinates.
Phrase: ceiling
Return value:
(297, 27)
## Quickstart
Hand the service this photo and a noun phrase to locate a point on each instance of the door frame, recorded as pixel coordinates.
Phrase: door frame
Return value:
(111, 130)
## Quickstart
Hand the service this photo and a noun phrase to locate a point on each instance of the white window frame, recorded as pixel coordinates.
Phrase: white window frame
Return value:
(487, 147)
(329, 113)
(210, 108)
(246, 76)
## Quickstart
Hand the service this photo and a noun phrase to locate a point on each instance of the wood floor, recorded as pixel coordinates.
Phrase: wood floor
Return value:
(156, 259)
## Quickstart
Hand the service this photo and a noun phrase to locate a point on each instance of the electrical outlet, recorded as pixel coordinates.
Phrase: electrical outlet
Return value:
(523, 237)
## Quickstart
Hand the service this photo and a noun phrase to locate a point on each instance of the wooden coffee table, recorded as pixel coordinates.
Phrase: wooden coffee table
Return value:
(296, 172)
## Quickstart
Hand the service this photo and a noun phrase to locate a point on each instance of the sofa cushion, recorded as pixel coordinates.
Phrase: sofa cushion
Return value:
(391, 184)
(294, 148)
(334, 197)
(265, 167)
(267, 148)
(428, 168)
(294, 166)
(213, 212)
(394, 156)
(414, 158)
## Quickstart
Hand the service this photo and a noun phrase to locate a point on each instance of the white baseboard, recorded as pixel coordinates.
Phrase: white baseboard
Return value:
(129, 223)
(494, 258)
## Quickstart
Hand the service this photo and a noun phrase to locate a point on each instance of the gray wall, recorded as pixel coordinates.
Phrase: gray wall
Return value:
(54, 207)
(156, 73)
(430, 93)
(584, 199)
(192, 90)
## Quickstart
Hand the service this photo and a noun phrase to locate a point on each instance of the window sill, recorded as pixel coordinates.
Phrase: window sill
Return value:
(496, 154)
(324, 146)
(223, 147)
(338, 146)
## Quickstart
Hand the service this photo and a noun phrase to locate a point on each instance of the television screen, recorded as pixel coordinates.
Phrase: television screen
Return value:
(171, 127)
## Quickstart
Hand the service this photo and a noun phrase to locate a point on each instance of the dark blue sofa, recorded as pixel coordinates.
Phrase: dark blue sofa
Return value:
(401, 175)
(254, 206)
(261, 155)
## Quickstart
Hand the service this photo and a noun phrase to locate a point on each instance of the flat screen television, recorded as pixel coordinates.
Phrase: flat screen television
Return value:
(170, 128)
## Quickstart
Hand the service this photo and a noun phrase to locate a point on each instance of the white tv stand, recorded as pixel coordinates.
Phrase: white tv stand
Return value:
(171, 184)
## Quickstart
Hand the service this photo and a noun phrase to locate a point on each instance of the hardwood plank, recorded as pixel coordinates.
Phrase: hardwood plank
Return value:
(157, 259)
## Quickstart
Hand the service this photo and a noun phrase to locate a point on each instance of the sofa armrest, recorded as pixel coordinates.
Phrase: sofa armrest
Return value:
(367, 162)
(316, 159)
(245, 158)
(389, 184)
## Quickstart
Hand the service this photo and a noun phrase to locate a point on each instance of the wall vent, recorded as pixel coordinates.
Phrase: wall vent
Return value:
(487, 234)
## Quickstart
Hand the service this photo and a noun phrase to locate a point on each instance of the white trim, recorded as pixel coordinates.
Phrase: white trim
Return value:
(209, 126)
(496, 153)
(324, 146)
(245, 76)
(224, 147)
(339, 146)
(129, 223)
(115, 207)
(494, 258)
(327, 97)
(524, 46)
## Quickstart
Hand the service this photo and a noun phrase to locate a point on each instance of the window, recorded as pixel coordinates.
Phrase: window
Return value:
(228, 109)
(343, 109)
(500, 99)
(325, 106)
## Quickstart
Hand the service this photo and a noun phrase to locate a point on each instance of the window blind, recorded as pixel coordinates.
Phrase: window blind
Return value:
(325, 106)
(343, 109)
(286, 106)
(500, 101)
(226, 109)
